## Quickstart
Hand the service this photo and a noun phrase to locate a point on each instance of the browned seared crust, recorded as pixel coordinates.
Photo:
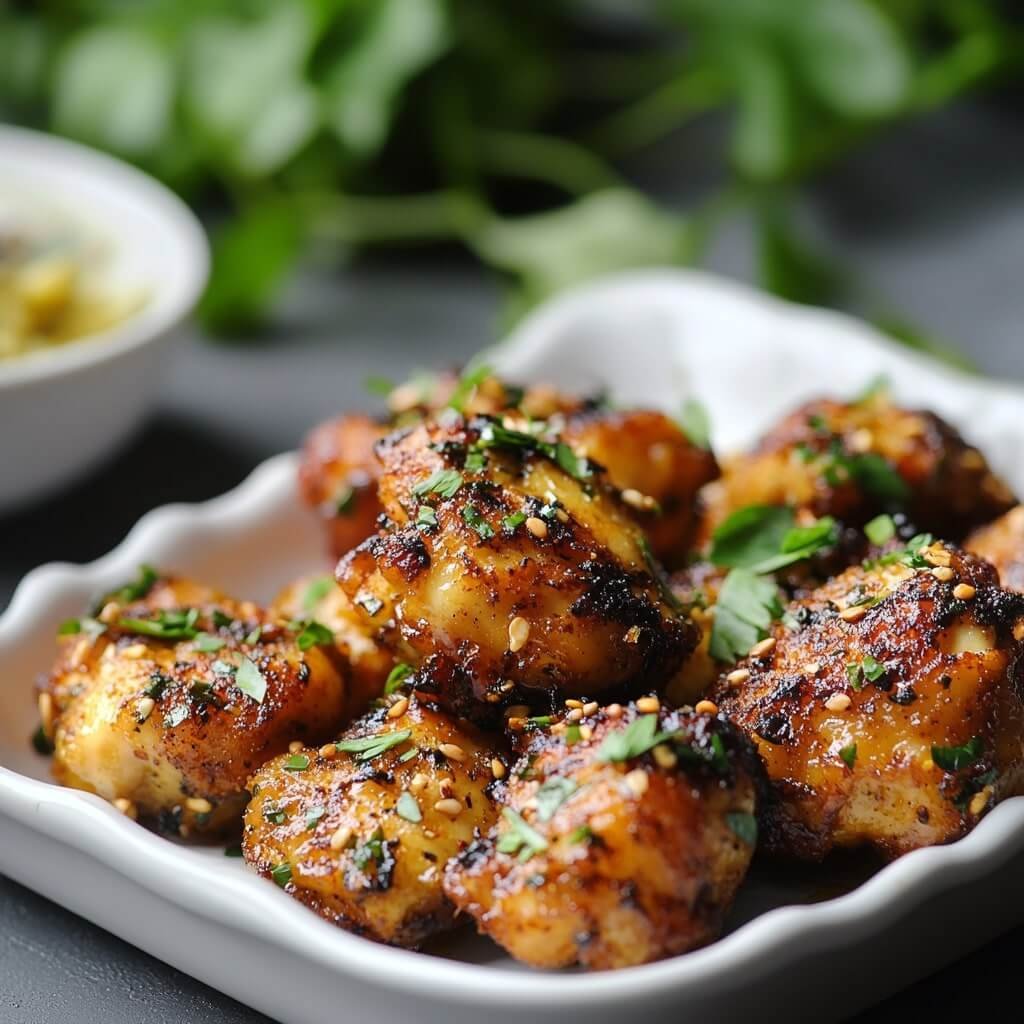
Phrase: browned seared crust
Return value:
(1002, 544)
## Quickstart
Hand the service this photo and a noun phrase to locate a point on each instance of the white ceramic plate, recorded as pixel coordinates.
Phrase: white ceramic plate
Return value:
(789, 951)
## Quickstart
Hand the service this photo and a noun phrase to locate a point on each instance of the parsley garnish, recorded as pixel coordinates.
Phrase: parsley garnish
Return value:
(313, 815)
(373, 849)
(317, 591)
(92, 628)
(494, 435)
(582, 834)
(470, 380)
(868, 669)
(747, 605)
(158, 682)
(408, 808)
(366, 748)
(743, 825)
(551, 795)
(520, 838)
(952, 759)
(253, 638)
(474, 461)
(136, 590)
(445, 482)
(314, 634)
(397, 676)
(282, 874)
(695, 423)
(509, 523)
(764, 538)
(274, 814)
(165, 625)
(426, 518)
(208, 642)
(296, 763)
(849, 754)
(575, 465)
(880, 530)
(472, 518)
(249, 679)
(877, 477)
(636, 739)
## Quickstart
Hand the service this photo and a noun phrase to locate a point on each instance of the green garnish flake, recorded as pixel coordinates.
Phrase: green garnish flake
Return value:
(373, 849)
(695, 423)
(313, 815)
(378, 385)
(743, 826)
(253, 637)
(274, 814)
(880, 530)
(640, 736)
(314, 634)
(165, 625)
(472, 377)
(494, 435)
(581, 834)
(137, 589)
(158, 682)
(345, 501)
(408, 755)
(208, 642)
(472, 518)
(573, 734)
(866, 670)
(575, 465)
(952, 759)
(849, 754)
(747, 606)
(475, 461)
(551, 795)
(765, 538)
(408, 808)
(397, 676)
(520, 838)
(366, 748)
(426, 518)
(443, 482)
(296, 763)
(511, 522)
(250, 680)
(282, 874)
(88, 625)
(877, 476)
(317, 590)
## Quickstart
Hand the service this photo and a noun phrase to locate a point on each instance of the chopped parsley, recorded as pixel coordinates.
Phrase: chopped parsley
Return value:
(91, 627)
(426, 518)
(849, 754)
(878, 385)
(397, 676)
(317, 590)
(880, 530)
(158, 682)
(475, 461)
(516, 519)
(408, 808)
(575, 465)
(743, 826)
(520, 838)
(636, 739)
(313, 815)
(494, 435)
(952, 759)
(165, 625)
(296, 763)
(472, 518)
(443, 482)
(764, 538)
(877, 476)
(253, 637)
(552, 794)
(208, 642)
(372, 850)
(472, 377)
(581, 834)
(366, 748)
(866, 670)
(136, 590)
(250, 680)
(314, 634)
(274, 814)
(345, 501)
(282, 874)
(695, 423)
(747, 606)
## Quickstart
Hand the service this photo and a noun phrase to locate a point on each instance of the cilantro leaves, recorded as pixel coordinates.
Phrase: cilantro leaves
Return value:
(952, 759)
(443, 482)
(764, 538)
(520, 838)
(747, 605)
(695, 423)
(366, 748)
(636, 739)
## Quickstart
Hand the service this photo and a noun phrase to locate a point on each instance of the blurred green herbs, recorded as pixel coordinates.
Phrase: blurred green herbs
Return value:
(328, 126)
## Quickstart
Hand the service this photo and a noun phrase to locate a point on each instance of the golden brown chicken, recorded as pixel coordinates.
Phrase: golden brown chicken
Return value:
(1002, 544)
(656, 467)
(887, 705)
(512, 572)
(624, 838)
(365, 663)
(173, 694)
(854, 460)
(360, 830)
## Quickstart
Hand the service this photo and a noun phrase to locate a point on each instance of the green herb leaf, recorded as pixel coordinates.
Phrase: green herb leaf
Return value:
(314, 634)
(208, 642)
(471, 379)
(408, 808)
(296, 763)
(581, 834)
(313, 815)
(282, 874)
(763, 538)
(575, 465)
(444, 482)
(876, 476)
(849, 754)
(164, 625)
(640, 736)
(511, 522)
(251, 681)
(880, 530)
(952, 759)
(520, 838)
(137, 589)
(696, 423)
(473, 519)
(747, 606)
(317, 590)
(366, 748)
(743, 825)
(552, 794)
(426, 518)
(397, 676)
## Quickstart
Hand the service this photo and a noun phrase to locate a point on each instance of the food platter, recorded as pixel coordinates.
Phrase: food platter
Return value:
(794, 937)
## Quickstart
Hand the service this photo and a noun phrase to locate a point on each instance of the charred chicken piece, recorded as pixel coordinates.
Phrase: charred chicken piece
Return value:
(1002, 544)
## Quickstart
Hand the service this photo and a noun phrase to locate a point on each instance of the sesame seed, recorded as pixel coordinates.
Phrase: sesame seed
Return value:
(631, 496)
(295, 746)
(980, 801)
(838, 702)
(737, 676)
(497, 768)
(812, 668)
(450, 807)
(942, 573)
(646, 705)
(418, 783)
(144, 709)
(854, 613)
(198, 805)
(452, 751)
(590, 708)
(937, 556)
(133, 652)
(430, 833)
(861, 440)
(706, 707)
(328, 750)
(46, 712)
(632, 635)
(574, 715)
(341, 838)
(110, 611)
(126, 807)
(664, 757)
(446, 786)
(763, 647)
(964, 591)
(518, 634)
(537, 527)
(636, 780)
(561, 515)
(399, 708)
(586, 732)
(572, 702)
(507, 686)
(613, 711)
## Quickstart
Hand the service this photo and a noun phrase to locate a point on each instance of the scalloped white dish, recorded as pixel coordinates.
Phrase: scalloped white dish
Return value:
(792, 945)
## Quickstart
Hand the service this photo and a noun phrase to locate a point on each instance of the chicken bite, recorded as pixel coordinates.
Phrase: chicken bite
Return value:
(623, 839)
(167, 701)
(886, 705)
(360, 829)
(853, 460)
(1002, 544)
(512, 572)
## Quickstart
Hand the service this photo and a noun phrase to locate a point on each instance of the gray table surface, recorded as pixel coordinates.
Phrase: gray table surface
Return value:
(931, 220)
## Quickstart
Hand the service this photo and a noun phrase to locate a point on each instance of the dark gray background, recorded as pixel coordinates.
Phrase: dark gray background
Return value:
(931, 219)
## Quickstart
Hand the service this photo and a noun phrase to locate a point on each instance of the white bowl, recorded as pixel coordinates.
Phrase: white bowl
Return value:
(62, 409)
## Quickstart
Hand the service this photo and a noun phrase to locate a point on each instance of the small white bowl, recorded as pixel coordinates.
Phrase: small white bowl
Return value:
(64, 408)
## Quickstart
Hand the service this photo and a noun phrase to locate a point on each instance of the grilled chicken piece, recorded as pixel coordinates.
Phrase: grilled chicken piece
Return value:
(889, 711)
(1002, 544)
(615, 850)
(167, 701)
(855, 460)
(361, 832)
(512, 572)
(657, 468)
(366, 663)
